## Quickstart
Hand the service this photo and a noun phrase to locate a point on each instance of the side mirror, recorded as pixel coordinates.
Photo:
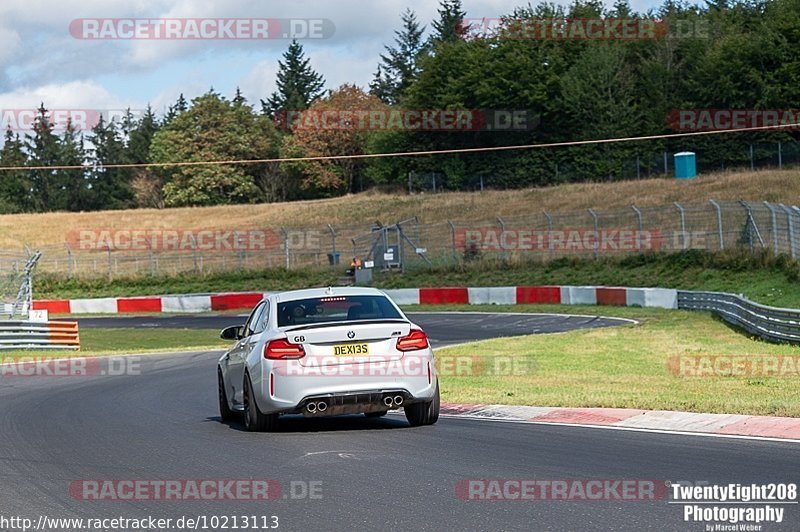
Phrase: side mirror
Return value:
(231, 333)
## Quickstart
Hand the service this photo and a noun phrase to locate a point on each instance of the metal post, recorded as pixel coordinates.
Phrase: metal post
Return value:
(638, 170)
(409, 181)
(788, 212)
(641, 228)
(453, 240)
(434, 183)
(666, 167)
(774, 227)
(719, 223)
(285, 234)
(242, 252)
(502, 237)
(780, 156)
(194, 252)
(684, 237)
(481, 183)
(751, 157)
(70, 266)
(110, 270)
(333, 243)
(596, 232)
(549, 234)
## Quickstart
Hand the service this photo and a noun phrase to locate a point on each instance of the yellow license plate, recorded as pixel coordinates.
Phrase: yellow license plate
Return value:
(350, 349)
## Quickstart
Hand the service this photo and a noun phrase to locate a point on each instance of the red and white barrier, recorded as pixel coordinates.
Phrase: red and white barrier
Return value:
(494, 295)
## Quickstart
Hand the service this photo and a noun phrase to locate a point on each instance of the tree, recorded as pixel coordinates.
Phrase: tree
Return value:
(213, 129)
(312, 138)
(43, 150)
(14, 186)
(298, 84)
(450, 26)
(73, 185)
(176, 109)
(110, 186)
(399, 65)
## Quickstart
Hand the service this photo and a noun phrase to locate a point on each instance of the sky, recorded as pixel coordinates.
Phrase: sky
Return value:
(45, 55)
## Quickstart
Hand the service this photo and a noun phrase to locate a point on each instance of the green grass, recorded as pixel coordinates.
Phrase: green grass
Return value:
(102, 342)
(624, 367)
(767, 279)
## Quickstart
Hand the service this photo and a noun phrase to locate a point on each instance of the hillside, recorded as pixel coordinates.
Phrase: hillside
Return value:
(51, 228)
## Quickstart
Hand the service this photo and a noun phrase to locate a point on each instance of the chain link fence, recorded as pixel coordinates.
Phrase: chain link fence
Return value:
(410, 244)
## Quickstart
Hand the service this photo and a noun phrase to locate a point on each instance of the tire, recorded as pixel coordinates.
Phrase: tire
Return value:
(426, 413)
(225, 411)
(254, 420)
(376, 414)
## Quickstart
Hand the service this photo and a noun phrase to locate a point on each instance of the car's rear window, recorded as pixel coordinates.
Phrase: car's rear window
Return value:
(334, 309)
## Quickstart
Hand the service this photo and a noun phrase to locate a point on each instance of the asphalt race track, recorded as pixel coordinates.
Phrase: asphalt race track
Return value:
(368, 474)
(443, 328)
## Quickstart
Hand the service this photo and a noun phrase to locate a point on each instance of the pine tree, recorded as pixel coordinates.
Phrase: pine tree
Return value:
(110, 186)
(72, 186)
(298, 83)
(138, 147)
(14, 187)
(43, 148)
(399, 65)
(180, 106)
(450, 26)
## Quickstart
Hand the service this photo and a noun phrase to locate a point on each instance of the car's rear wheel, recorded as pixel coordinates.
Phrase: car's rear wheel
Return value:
(376, 414)
(225, 411)
(254, 419)
(426, 413)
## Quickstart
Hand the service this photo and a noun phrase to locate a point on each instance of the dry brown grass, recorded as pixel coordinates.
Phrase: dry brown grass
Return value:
(52, 228)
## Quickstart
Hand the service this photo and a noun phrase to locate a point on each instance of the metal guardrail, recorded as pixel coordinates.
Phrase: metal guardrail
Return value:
(18, 334)
(770, 323)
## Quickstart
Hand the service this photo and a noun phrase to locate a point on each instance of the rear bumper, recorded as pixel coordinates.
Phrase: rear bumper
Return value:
(349, 395)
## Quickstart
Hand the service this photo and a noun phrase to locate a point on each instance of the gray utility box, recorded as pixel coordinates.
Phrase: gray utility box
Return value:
(364, 276)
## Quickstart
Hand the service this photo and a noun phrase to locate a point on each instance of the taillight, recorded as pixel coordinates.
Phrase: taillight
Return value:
(416, 339)
(281, 349)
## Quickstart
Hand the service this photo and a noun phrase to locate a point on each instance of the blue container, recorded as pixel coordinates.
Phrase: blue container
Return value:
(685, 165)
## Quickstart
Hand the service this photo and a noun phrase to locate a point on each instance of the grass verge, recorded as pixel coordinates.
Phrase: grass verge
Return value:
(625, 367)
